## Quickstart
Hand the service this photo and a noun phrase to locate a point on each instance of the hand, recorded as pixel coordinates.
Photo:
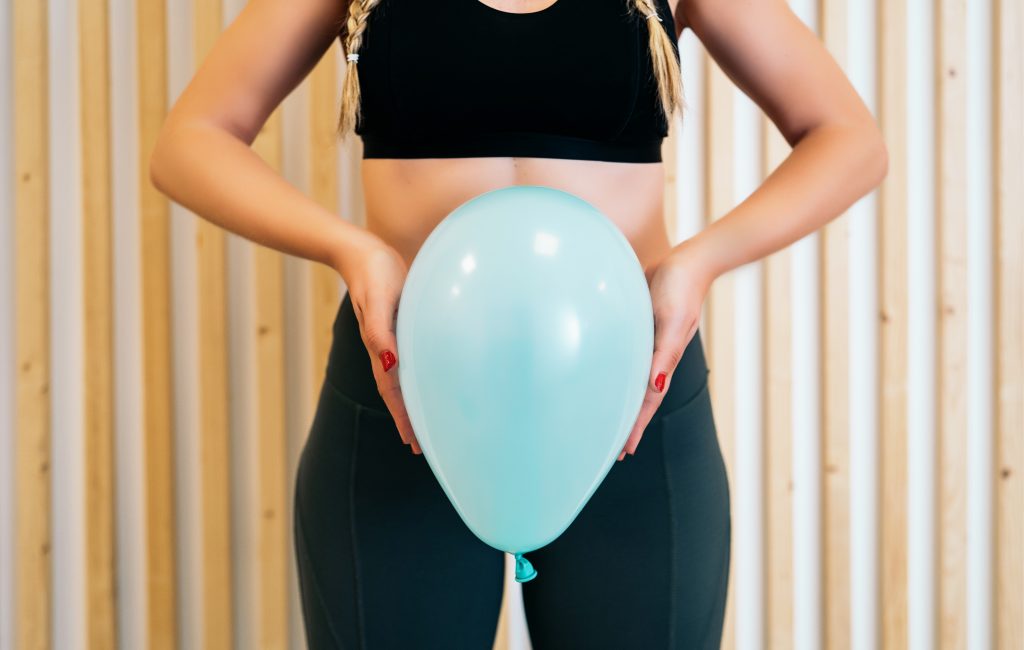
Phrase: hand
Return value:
(375, 273)
(678, 283)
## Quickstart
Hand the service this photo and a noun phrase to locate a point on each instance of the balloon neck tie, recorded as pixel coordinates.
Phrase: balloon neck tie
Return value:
(524, 570)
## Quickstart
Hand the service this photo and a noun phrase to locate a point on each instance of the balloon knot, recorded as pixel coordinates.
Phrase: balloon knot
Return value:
(524, 570)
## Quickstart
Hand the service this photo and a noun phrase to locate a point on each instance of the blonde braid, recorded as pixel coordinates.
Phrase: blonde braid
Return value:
(358, 16)
(666, 66)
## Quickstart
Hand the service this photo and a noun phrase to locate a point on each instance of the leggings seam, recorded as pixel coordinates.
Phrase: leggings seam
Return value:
(672, 545)
(723, 583)
(352, 529)
(304, 545)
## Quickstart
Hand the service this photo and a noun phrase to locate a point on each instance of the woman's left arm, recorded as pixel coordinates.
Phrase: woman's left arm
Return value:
(838, 152)
(838, 156)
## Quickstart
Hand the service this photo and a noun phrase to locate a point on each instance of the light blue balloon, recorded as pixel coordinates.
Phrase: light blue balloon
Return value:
(525, 338)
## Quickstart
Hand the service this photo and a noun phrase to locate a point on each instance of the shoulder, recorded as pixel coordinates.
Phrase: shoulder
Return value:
(687, 13)
(679, 15)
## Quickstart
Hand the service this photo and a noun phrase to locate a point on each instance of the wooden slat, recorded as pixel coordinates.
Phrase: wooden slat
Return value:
(324, 282)
(719, 304)
(833, 243)
(214, 424)
(1009, 317)
(33, 536)
(778, 426)
(97, 279)
(274, 558)
(893, 334)
(951, 229)
(155, 283)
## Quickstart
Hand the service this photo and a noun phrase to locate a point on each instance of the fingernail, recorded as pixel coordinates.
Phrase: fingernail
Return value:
(659, 382)
(388, 359)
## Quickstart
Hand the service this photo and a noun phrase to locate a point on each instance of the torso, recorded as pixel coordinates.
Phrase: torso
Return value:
(406, 198)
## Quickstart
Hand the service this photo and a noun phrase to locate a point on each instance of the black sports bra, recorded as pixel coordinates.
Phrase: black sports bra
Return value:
(458, 78)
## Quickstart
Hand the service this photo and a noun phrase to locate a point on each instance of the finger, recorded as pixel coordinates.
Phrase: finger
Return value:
(647, 409)
(671, 336)
(622, 455)
(392, 395)
(378, 332)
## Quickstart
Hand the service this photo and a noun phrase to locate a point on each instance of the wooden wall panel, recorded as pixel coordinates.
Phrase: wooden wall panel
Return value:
(951, 239)
(215, 432)
(33, 529)
(778, 427)
(274, 529)
(1009, 298)
(833, 244)
(893, 333)
(97, 278)
(158, 412)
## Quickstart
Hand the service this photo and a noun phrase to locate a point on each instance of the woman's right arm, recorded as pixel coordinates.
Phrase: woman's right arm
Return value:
(202, 158)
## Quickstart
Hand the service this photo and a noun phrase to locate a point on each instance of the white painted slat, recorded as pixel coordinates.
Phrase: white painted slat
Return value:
(980, 375)
(129, 480)
(863, 309)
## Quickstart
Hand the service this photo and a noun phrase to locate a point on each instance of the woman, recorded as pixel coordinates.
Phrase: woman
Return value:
(453, 98)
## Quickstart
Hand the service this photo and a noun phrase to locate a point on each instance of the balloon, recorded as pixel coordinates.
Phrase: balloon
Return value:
(525, 337)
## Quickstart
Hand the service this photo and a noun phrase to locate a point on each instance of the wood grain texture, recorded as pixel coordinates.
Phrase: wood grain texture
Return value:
(155, 283)
(719, 304)
(951, 239)
(893, 334)
(98, 326)
(833, 242)
(214, 431)
(778, 426)
(1009, 317)
(274, 512)
(33, 529)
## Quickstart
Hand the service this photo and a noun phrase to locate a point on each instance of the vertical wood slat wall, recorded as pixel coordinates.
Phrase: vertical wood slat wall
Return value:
(797, 568)
(158, 420)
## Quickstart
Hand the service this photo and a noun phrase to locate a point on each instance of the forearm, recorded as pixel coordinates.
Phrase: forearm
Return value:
(825, 173)
(224, 181)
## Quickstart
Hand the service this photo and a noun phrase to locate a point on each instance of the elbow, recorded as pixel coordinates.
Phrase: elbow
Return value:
(879, 160)
(157, 162)
(875, 156)
(161, 163)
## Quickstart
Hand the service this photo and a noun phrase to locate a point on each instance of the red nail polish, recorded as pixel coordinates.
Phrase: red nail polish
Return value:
(659, 382)
(388, 359)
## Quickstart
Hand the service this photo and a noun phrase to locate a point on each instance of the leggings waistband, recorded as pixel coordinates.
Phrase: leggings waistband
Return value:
(350, 371)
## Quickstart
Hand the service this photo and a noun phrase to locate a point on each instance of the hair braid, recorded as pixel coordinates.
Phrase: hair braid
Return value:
(358, 16)
(666, 66)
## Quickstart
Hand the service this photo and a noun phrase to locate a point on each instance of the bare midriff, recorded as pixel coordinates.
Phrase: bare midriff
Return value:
(407, 198)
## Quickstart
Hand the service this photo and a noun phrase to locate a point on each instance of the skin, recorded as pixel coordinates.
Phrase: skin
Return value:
(838, 156)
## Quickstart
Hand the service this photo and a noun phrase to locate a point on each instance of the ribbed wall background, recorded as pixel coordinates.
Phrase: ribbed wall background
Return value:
(157, 375)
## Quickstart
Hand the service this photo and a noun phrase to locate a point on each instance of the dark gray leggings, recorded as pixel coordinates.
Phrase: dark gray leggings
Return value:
(384, 560)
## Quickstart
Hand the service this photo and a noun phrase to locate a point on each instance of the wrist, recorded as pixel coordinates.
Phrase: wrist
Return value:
(694, 255)
(347, 243)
